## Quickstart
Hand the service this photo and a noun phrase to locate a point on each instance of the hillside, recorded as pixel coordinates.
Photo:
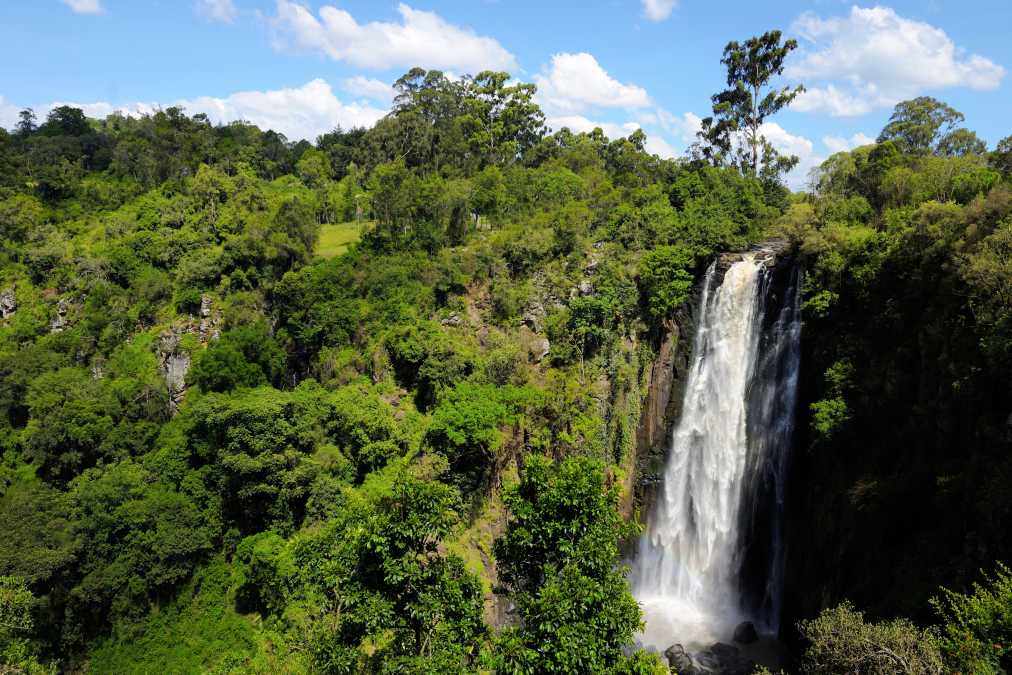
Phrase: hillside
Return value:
(375, 403)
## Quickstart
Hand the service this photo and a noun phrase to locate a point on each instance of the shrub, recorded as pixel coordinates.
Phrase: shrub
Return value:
(841, 642)
(976, 634)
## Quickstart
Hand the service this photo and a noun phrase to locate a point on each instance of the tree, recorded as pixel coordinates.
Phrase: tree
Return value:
(26, 123)
(733, 134)
(65, 120)
(666, 279)
(503, 121)
(17, 652)
(917, 125)
(559, 561)
(961, 142)
(1001, 158)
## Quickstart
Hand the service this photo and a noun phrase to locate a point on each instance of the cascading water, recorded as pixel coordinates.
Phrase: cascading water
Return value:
(712, 555)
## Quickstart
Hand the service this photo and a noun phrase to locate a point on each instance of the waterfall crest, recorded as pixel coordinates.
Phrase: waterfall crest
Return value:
(712, 555)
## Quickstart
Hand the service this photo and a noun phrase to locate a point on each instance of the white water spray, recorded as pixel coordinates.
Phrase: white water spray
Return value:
(688, 570)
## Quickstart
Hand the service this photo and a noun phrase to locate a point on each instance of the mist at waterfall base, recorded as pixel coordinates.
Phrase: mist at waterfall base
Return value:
(712, 554)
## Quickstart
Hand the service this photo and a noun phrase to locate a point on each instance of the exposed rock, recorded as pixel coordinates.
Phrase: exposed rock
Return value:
(210, 323)
(453, 320)
(724, 659)
(542, 348)
(173, 364)
(679, 660)
(770, 253)
(745, 633)
(8, 303)
(586, 288)
(534, 316)
(59, 320)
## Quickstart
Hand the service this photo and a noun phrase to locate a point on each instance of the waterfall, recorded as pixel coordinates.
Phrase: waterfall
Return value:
(712, 555)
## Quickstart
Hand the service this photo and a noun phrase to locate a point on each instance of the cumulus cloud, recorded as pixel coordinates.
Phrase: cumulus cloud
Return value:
(217, 10)
(370, 88)
(84, 6)
(882, 58)
(575, 82)
(658, 10)
(420, 38)
(656, 145)
(840, 144)
(683, 127)
(8, 114)
(830, 99)
(299, 113)
(790, 144)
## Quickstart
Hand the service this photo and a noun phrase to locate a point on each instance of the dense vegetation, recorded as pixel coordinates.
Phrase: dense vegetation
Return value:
(227, 450)
(907, 353)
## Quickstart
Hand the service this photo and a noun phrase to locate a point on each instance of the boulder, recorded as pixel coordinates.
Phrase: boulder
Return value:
(453, 320)
(724, 652)
(541, 350)
(745, 633)
(725, 659)
(679, 660)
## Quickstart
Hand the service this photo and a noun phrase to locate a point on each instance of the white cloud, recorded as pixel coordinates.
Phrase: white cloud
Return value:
(881, 58)
(420, 39)
(840, 144)
(84, 6)
(370, 88)
(299, 113)
(684, 126)
(658, 10)
(789, 144)
(217, 10)
(8, 114)
(830, 99)
(658, 146)
(575, 82)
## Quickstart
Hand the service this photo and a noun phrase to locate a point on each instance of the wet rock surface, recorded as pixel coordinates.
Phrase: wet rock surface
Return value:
(745, 633)
(719, 658)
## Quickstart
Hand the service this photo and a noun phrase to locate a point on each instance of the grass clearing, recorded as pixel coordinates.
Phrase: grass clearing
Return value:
(335, 238)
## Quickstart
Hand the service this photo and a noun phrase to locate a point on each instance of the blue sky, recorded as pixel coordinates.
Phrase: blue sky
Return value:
(304, 66)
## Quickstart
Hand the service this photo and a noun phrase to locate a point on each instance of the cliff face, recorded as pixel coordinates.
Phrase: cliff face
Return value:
(666, 375)
(664, 387)
(907, 490)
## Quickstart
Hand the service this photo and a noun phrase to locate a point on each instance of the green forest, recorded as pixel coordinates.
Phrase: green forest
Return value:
(371, 404)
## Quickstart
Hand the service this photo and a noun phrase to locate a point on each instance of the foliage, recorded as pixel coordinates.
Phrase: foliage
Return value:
(559, 560)
(666, 279)
(840, 641)
(922, 125)
(252, 391)
(976, 633)
(733, 134)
